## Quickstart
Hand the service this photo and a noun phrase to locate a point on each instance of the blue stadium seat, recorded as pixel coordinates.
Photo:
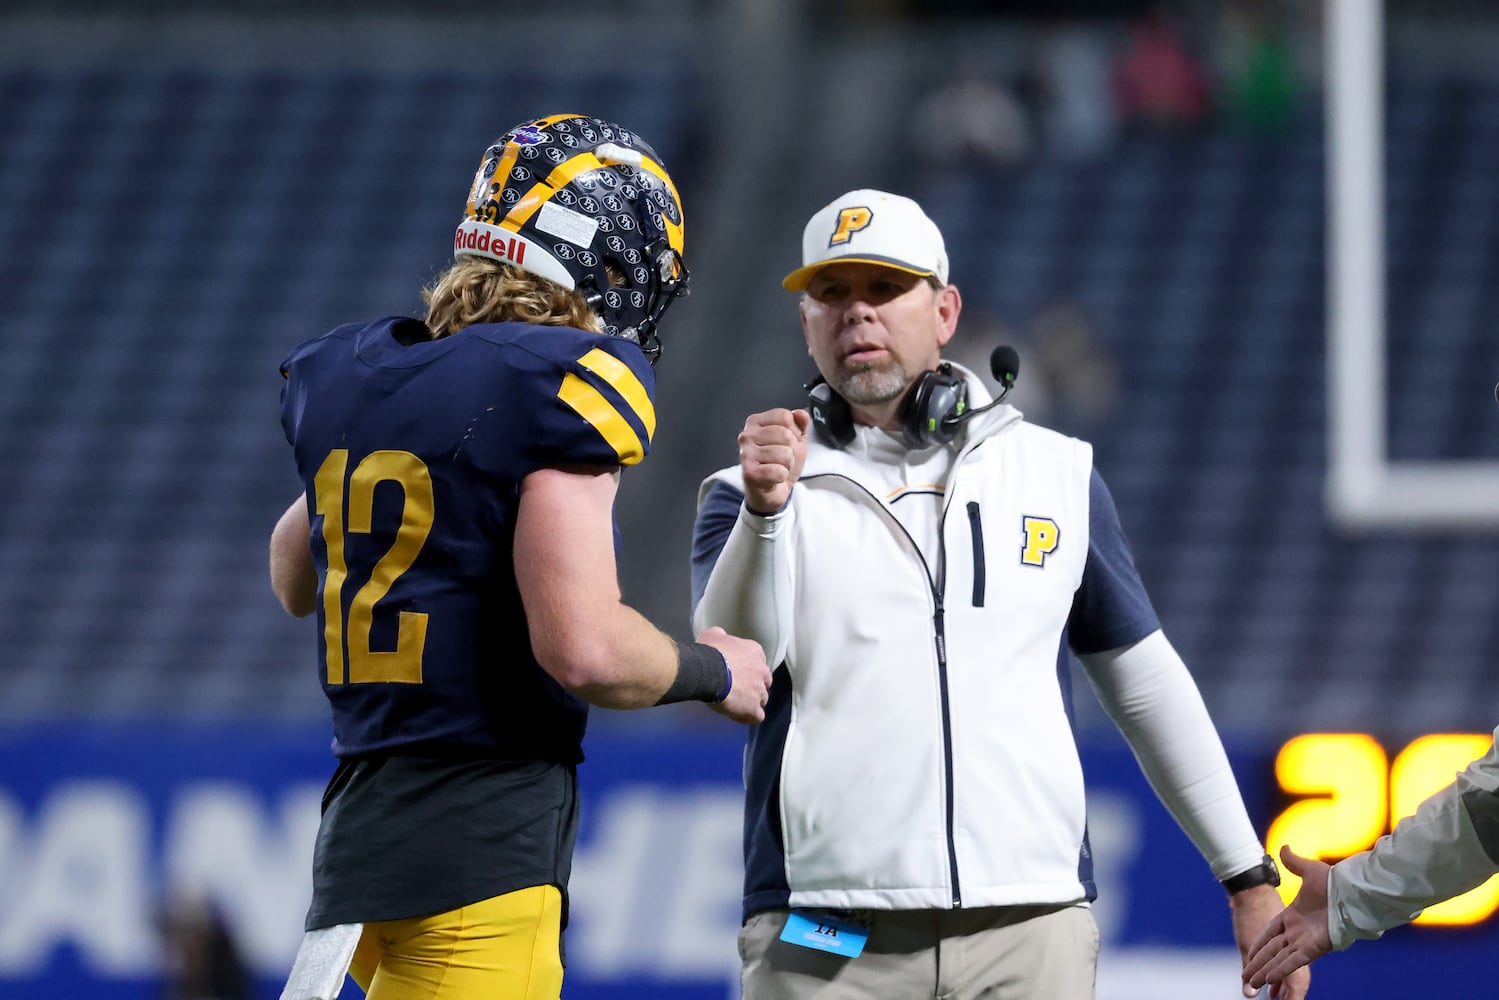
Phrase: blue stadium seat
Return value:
(1201, 260)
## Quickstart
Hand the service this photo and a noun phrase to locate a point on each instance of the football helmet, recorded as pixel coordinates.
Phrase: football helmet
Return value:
(574, 199)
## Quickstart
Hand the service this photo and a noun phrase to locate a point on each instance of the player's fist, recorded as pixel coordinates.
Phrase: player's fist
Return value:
(750, 688)
(772, 451)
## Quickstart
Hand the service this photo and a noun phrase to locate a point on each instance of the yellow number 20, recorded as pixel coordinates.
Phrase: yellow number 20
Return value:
(402, 665)
(1353, 797)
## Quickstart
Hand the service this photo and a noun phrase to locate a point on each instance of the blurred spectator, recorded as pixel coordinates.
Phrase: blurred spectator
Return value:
(1257, 66)
(1069, 84)
(982, 331)
(973, 119)
(1079, 370)
(1159, 85)
(1068, 376)
(200, 957)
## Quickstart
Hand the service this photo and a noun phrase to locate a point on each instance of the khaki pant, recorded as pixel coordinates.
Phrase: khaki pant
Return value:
(993, 953)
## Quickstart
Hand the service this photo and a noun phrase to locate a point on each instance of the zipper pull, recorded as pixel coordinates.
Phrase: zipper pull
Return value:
(941, 633)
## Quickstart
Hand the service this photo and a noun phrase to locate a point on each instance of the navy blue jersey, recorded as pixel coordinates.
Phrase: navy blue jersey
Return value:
(412, 452)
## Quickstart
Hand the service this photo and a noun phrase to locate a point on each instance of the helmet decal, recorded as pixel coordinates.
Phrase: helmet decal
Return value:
(530, 135)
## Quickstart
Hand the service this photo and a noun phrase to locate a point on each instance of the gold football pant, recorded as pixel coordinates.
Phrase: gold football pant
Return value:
(505, 947)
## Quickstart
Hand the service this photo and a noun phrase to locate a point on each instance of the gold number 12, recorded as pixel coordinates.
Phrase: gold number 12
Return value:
(402, 665)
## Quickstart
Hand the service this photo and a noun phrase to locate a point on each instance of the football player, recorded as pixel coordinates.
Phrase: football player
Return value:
(456, 541)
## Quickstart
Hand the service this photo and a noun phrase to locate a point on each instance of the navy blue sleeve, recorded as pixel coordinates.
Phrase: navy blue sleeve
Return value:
(589, 400)
(293, 394)
(715, 519)
(560, 397)
(291, 413)
(294, 390)
(1111, 608)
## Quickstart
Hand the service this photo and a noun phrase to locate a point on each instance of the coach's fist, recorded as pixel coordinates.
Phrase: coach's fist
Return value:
(772, 451)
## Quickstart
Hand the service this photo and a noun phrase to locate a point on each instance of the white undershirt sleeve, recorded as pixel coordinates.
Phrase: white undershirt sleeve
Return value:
(1152, 698)
(749, 592)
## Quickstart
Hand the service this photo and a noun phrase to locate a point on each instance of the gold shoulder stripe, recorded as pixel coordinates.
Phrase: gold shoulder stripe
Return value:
(614, 371)
(591, 405)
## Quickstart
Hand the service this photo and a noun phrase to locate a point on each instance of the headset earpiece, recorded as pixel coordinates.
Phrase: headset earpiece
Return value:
(931, 415)
(830, 414)
(934, 408)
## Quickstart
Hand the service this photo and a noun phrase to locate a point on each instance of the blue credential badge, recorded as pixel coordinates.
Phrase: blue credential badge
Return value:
(822, 931)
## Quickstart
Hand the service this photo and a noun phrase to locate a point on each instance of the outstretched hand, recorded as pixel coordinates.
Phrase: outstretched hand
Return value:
(1295, 936)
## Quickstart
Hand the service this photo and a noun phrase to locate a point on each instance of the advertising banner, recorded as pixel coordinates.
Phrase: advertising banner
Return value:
(109, 833)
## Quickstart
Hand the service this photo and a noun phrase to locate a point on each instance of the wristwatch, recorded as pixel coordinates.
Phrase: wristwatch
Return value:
(1264, 873)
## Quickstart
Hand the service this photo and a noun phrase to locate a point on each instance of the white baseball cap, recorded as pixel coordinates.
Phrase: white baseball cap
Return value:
(871, 227)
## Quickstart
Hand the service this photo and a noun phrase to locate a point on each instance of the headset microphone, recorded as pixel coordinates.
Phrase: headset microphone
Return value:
(1004, 365)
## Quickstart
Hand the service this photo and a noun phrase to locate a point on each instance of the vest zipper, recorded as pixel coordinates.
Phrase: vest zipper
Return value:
(976, 526)
(940, 631)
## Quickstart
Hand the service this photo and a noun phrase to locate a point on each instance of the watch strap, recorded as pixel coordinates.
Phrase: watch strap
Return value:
(1264, 873)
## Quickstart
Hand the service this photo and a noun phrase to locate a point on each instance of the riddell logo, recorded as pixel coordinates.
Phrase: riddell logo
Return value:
(479, 240)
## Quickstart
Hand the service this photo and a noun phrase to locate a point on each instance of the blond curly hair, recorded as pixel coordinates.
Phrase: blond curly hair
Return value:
(483, 290)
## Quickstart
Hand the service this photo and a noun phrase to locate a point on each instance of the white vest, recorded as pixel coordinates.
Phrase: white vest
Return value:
(883, 732)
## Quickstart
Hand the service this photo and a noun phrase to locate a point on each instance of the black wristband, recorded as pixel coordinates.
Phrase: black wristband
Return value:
(702, 675)
(1264, 873)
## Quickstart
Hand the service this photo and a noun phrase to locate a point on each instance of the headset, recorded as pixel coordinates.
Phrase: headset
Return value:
(935, 407)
